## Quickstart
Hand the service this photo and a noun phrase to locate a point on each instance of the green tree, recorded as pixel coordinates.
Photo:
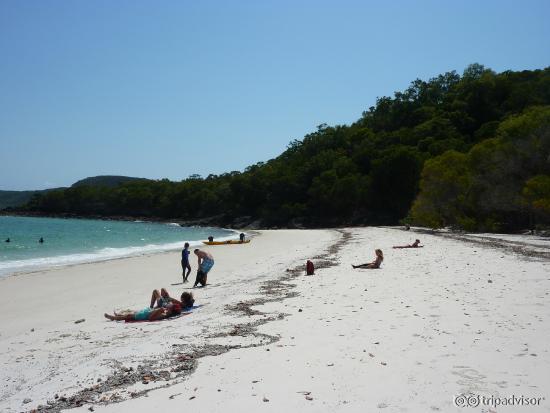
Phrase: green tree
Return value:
(443, 194)
(395, 178)
(536, 194)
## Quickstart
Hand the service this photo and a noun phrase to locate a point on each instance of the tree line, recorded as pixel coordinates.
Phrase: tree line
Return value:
(470, 151)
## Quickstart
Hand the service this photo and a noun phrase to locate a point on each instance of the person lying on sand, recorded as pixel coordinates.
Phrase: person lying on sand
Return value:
(206, 262)
(163, 299)
(147, 314)
(375, 264)
(415, 244)
(187, 300)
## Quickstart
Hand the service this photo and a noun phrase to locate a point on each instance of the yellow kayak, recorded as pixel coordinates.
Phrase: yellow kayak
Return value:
(226, 242)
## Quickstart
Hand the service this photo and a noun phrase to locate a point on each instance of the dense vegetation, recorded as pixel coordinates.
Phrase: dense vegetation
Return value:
(470, 151)
(9, 199)
(14, 198)
(106, 180)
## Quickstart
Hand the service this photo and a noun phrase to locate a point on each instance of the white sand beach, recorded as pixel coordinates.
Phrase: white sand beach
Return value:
(462, 316)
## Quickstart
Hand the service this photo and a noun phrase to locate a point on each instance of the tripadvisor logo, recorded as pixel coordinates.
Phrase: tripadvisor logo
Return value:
(475, 400)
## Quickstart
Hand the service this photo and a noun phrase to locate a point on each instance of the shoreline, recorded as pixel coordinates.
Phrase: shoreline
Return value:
(61, 215)
(123, 218)
(213, 221)
(55, 259)
(253, 224)
(251, 235)
(428, 323)
(97, 287)
(184, 361)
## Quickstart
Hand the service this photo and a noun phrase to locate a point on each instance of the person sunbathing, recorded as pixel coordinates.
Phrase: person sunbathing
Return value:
(163, 299)
(147, 314)
(375, 264)
(415, 244)
(187, 300)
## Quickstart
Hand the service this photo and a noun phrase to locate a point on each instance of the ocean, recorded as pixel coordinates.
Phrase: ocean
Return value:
(73, 241)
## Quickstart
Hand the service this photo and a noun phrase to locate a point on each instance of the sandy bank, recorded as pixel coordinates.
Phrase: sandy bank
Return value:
(452, 318)
(43, 352)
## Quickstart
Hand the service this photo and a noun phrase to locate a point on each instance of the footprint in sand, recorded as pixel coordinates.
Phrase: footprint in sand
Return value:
(501, 384)
(471, 379)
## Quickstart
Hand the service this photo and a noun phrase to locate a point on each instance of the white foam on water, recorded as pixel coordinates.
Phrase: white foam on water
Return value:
(34, 264)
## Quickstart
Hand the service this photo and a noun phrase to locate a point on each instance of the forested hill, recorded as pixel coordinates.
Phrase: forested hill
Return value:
(106, 180)
(470, 151)
(11, 199)
(15, 199)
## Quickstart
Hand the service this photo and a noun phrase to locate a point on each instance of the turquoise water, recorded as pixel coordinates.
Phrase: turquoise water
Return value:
(71, 241)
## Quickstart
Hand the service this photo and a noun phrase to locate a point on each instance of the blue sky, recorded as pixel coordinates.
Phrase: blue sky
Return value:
(171, 88)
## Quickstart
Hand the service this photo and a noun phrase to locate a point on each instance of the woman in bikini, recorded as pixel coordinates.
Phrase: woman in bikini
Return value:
(375, 264)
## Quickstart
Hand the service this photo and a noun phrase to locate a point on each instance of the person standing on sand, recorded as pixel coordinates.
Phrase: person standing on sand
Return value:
(185, 262)
(375, 264)
(205, 263)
